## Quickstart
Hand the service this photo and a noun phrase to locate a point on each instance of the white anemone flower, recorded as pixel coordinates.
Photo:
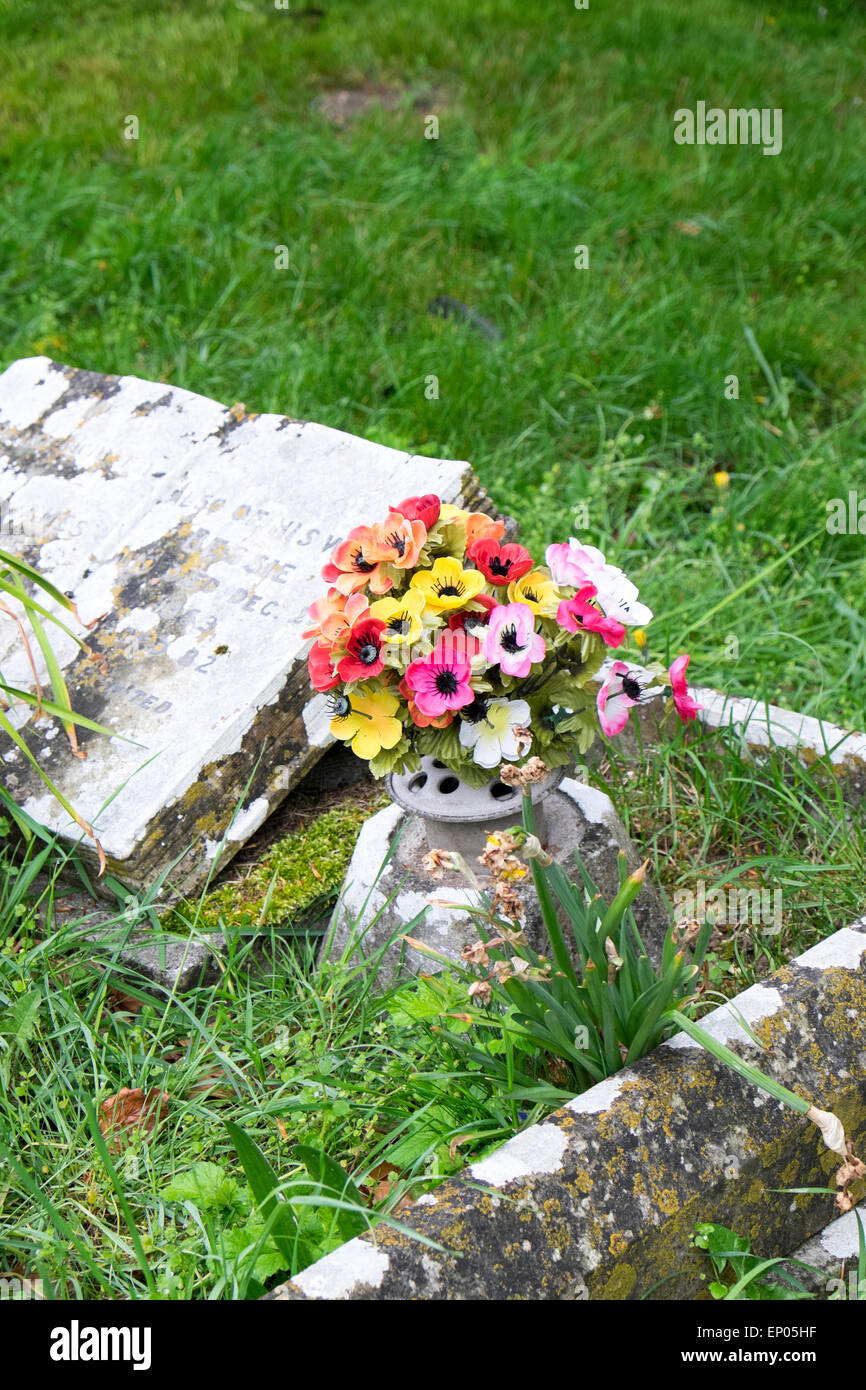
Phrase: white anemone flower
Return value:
(493, 737)
(618, 598)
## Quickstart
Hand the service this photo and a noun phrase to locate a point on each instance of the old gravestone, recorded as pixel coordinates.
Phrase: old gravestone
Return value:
(199, 533)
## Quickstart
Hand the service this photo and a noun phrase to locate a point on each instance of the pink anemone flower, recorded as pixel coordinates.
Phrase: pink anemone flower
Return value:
(684, 704)
(579, 615)
(512, 642)
(440, 682)
(572, 563)
(619, 693)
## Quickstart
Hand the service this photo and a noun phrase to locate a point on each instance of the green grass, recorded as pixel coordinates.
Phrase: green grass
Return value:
(291, 1056)
(156, 257)
(701, 813)
(605, 390)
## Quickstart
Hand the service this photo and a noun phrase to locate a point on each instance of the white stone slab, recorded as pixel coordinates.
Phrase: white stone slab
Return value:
(200, 533)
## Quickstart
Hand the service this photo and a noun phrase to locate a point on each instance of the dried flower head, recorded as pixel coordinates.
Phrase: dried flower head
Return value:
(475, 954)
(533, 771)
(508, 902)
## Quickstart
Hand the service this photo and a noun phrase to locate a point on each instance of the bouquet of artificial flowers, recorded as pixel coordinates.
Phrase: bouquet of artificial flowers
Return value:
(437, 637)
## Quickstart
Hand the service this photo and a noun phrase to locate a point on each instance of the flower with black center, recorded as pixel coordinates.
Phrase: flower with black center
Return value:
(619, 693)
(398, 541)
(512, 642)
(538, 591)
(401, 616)
(500, 733)
(447, 585)
(440, 682)
(579, 615)
(355, 564)
(369, 722)
(363, 658)
(473, 620)
(500, 564)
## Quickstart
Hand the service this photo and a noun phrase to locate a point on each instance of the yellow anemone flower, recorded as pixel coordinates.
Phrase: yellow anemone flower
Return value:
(447, 585)
(401, 616)
(538, 591)
(369, 723)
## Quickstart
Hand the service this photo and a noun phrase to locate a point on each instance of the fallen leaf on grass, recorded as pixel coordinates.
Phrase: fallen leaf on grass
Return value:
(119, 1003)
(387, 1176)
(457, 1141)
(213, 1084)
(131, 1110)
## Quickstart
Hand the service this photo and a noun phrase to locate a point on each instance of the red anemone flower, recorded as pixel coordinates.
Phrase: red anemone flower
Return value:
(363, 657)
(500, 564)
(469, 619)
(424, 509)
(319, 665)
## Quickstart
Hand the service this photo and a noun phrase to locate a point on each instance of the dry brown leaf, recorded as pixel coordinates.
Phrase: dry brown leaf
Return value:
(457, 1141)
(688, 228)
(119, 1003)
(385, 1175)
(130, 1110)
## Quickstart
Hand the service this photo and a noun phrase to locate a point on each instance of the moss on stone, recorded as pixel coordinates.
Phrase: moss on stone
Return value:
(296, 879)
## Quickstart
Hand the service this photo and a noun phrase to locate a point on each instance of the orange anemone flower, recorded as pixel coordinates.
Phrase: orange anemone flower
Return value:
(334, 614)
(398, 541)
(354, 564)
(483, 528)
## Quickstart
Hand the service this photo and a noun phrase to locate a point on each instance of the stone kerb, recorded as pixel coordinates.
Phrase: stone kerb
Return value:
(599, 1200)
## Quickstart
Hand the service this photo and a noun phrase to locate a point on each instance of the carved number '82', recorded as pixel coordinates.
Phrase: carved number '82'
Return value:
(189, 659)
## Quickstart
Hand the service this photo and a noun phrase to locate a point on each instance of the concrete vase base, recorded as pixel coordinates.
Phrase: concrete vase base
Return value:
(378, 904)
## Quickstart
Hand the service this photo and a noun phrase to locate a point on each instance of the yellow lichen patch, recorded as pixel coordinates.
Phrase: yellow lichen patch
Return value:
(617, 1286)
(667, 1200)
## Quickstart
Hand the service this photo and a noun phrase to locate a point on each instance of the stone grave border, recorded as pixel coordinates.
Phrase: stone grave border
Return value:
(599, 1200)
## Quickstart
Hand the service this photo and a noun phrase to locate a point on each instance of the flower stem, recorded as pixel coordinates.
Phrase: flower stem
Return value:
(546, 902)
